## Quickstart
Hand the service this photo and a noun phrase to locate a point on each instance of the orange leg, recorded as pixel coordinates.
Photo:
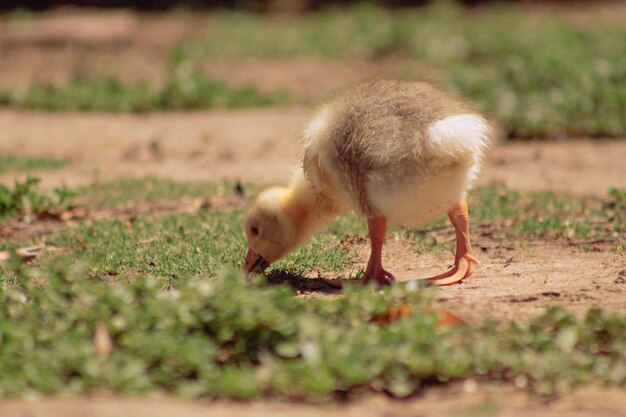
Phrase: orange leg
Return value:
(377, 228)
(464, 261)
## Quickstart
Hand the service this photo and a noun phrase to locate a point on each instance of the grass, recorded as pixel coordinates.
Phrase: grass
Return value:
(188, 246)
(543, 213)
(362, 30)
(616, 208)
(131, 191)
(15, 163)
(25, 200)
(93, 317)
(228, 337)
(184, 90)
(519, 217)
(535, 77)
(177, 248)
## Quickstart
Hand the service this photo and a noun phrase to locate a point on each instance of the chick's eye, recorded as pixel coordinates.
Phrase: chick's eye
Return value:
(254, 230)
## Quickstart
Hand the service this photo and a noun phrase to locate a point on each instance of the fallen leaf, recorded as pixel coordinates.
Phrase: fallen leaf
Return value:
(445, 317)
(63, 214)
(394, 314)
(6, 231)
(26, 254)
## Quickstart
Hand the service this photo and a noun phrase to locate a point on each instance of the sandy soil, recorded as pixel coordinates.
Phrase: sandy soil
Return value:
(61, 45)
(131, 47)
(517, 284)
(467, 400)
(261, 145)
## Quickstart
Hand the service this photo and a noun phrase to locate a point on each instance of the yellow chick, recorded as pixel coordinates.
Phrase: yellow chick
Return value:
(397, 152)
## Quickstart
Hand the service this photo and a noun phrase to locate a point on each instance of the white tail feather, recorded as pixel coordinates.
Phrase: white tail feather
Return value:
(458, 134)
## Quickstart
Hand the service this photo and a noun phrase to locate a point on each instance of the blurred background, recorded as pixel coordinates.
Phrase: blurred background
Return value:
(258, 5)
(539, 68)
(543, 71)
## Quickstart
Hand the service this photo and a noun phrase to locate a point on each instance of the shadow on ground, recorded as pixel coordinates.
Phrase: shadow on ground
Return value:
(302, 284)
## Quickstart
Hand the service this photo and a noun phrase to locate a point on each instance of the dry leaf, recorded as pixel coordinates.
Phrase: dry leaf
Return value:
(445, 317)
(394, 314)
(26, 254)
(63, 214)
(30, 252)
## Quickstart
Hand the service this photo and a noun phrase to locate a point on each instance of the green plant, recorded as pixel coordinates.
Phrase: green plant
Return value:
(183, 90)
(6, 98)
(616, 208)
(24, 199)
(190, 89)
(535, 77)
(14, 163)
(134, 191)
(233, 338)
(152, 304)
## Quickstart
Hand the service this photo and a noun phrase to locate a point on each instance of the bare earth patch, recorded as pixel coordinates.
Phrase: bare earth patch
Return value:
(62, 45)
(261, 146)
(468, 399)
(516, 284)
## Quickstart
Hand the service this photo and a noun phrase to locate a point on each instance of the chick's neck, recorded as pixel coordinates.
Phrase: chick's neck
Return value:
(308, 210)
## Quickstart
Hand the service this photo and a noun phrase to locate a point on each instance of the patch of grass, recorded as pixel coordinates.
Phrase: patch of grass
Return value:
(184, 90)
(616, 208)
(24, 200)
(362, 30)
(541, 213)
(232, 338)
(15, 163)
(189, 246)
(100, 94)
(517, 216)
(6, 98)
(188, 88)
(181, 247)
(72, 333)
(512, 215)
(132, 191)
(18, 16)
(171, 249)
(535, 77)
(568, 86)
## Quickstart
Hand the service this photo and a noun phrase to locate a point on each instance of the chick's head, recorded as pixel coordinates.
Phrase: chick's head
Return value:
(271, 233)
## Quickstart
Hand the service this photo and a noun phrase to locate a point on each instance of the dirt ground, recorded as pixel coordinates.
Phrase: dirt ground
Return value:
(471, 399)
(261, 146)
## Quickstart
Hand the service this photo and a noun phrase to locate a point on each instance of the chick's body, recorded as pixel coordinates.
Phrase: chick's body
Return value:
(397, 152)
(402, 150)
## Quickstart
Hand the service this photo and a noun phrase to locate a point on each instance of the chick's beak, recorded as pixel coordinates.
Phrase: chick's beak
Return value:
(254, 262)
